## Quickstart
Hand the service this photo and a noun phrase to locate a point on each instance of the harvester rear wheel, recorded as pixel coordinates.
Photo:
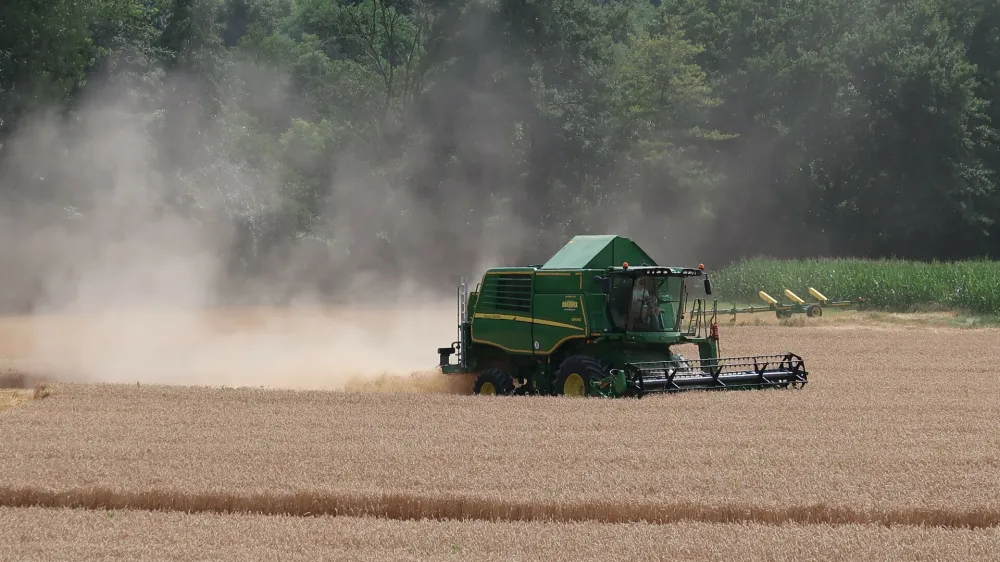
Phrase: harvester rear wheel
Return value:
(575, 375)
(494, 381)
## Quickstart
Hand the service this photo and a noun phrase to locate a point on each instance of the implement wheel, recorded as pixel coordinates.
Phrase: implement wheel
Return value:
(493, 381)
(814, 310)
(575, 375)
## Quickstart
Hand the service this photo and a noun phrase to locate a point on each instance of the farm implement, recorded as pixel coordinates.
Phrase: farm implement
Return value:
(797, 306)
(587, 323)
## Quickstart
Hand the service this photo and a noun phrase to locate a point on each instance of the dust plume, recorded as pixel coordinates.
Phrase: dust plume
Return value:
(342, 348)
(123, 255)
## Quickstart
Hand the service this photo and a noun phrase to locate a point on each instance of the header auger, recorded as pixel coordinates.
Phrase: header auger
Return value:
(587, 323)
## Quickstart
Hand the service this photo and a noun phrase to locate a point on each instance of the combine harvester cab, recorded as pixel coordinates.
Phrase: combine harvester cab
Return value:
(600, 318)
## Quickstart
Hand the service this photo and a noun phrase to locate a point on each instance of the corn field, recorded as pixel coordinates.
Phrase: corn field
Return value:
(892, 285)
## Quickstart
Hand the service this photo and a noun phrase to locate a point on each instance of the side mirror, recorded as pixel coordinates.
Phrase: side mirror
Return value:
(708, 286)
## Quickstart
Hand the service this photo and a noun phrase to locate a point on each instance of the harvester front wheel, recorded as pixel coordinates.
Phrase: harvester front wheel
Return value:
(575, 375)
(494, 381)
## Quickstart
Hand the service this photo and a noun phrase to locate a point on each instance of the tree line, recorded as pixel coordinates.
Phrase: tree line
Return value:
(409, 133)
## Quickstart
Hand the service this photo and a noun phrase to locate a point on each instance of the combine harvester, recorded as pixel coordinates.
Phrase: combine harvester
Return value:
(587, 323)
(798, 306)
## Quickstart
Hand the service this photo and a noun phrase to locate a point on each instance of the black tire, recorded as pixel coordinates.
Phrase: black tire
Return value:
(586, 368)
(496, 381)
(814, 310)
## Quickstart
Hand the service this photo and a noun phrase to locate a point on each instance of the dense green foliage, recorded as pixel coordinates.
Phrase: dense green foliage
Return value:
(895, 285)
(428, 135)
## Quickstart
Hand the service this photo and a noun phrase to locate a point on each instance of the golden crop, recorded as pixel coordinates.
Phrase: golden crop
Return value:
(897, 426)
(40, 534)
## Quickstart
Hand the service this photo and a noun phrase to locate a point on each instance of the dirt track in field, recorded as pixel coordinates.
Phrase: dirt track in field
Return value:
(404, 506)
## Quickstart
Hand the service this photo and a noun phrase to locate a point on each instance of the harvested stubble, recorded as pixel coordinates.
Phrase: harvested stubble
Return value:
(12, 397)
(40, 534)
(886, 431)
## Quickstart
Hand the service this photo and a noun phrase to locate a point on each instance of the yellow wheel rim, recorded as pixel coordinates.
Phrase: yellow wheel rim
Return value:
(574, 385)
(487, 388)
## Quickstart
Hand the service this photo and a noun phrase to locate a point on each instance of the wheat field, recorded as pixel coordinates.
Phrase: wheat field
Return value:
(891, 451)
(47, 534)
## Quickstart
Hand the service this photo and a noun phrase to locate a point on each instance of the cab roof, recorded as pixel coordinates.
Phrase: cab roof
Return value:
(598, 251)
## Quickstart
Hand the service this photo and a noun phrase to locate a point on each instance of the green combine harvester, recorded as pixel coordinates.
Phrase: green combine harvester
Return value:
(600, 318)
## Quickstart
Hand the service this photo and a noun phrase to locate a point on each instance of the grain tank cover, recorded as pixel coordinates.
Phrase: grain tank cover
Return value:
(598, 252)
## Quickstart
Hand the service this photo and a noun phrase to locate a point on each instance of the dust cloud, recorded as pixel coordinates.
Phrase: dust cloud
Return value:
(119, 260)
(317, 348)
